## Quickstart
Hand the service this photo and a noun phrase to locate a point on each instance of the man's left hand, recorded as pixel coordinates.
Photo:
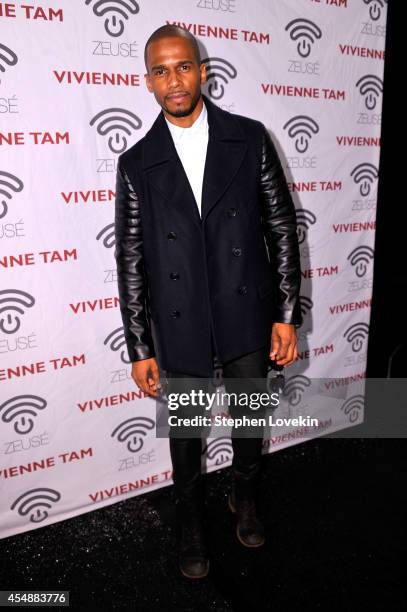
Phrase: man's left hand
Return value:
(283, 344)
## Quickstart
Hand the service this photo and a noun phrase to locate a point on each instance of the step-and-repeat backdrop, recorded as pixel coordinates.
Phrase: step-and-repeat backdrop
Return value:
(75, 432)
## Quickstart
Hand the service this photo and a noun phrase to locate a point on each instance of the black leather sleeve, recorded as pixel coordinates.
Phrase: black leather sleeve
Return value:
(280, 230)
(131, 277)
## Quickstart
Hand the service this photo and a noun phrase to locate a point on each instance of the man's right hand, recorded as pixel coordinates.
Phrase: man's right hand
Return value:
(145, 375)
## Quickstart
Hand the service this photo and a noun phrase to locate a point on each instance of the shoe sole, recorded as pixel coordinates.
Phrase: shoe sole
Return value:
(233, 510)
(195, 577)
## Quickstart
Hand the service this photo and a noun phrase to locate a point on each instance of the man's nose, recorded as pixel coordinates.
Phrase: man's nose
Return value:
(174, 78)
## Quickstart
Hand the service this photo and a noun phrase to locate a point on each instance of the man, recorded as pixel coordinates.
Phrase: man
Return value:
(208, 264)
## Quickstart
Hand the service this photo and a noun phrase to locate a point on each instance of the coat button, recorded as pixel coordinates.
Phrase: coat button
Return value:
(232, 212)
(237, 251)
(174, 275)
(175, 314)
(242, 289)
(172, 236)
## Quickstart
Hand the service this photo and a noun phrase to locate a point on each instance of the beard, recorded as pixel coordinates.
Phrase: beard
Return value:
(183, 112)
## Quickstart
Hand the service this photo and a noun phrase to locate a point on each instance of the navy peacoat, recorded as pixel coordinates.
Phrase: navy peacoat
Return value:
(188, 282)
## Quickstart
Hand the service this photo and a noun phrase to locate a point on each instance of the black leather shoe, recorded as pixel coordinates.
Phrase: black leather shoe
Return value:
(193, 556)
(249, 529)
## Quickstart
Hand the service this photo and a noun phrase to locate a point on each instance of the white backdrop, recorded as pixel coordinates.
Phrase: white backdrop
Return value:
(73, 97)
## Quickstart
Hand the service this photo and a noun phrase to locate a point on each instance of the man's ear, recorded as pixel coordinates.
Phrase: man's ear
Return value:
(203, 73)
(148, 82)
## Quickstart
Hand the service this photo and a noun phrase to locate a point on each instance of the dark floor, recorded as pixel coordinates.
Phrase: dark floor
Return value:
(336, 541)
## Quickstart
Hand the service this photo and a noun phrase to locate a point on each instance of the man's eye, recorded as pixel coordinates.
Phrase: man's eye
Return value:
(185, 66)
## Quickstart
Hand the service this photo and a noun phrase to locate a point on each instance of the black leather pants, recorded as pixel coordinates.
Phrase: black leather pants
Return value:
(186, 452)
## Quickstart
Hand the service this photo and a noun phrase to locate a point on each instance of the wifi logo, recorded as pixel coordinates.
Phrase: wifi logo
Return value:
(304, 31)
(117, 11)
(275, 379)
(306, 304)
(8, 57)
(13, 303)
(107, 236)
(8, 184)
(301, 129)
(21, 409)
(371, 88)
(356, 334)
(364, 175)
(116, 341)
(295, 387)
(218, 73)
(353, 407)
(36, 500)
(133, 431)
(118, 124)
(375, 10)
(219, 450)
(305, 219)
(360, 258)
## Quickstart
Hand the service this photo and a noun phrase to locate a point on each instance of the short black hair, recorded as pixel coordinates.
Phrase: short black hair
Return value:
(167, 31)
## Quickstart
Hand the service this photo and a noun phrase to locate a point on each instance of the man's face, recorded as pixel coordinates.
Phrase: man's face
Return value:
(174, 76)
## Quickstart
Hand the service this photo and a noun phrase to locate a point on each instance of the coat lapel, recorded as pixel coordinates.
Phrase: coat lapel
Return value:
(164, 169)
(227, 146)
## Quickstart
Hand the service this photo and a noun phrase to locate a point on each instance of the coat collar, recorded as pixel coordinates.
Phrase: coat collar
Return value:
(227, 146)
